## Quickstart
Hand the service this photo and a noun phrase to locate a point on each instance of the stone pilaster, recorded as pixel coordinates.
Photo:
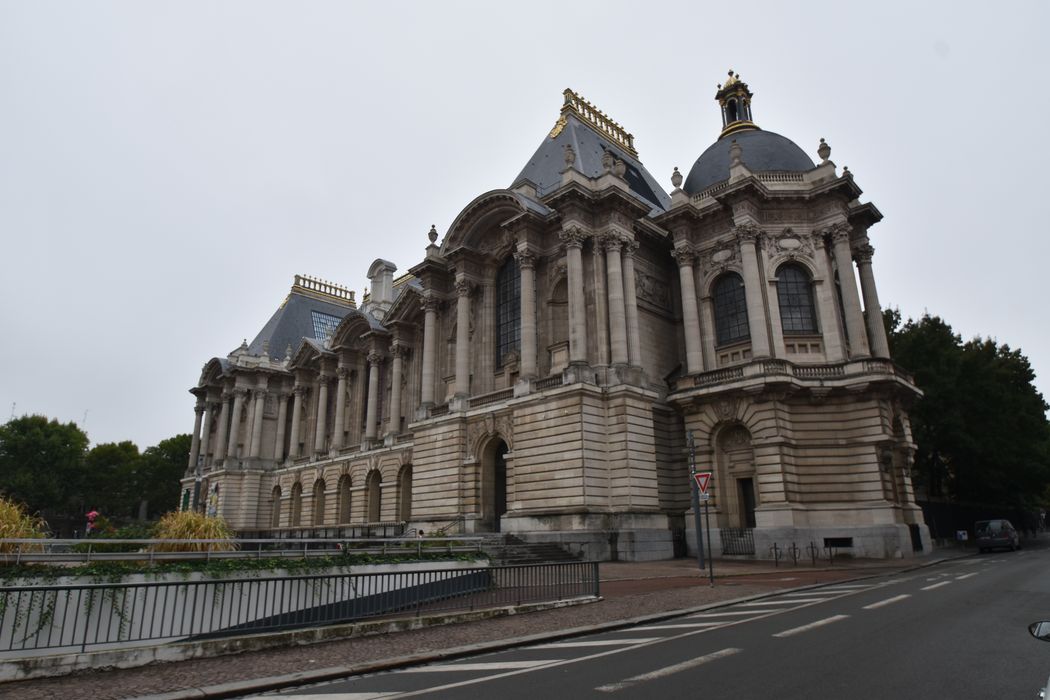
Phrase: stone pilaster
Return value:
(282, 420)
(527, 264)
(601, 305)
(617, 315)
(630, 294)
(464, 288)
(747, 236)
(858, 337)
(209, 417)
(235, 422)
(397, 355)
(573, 238)
(834, 349)
(340, 408)
(297, 417)
(372, 416)
(694, 358)
(224, 422)
(255, 449)
(322, 413)
(430, 309)
(880, 346)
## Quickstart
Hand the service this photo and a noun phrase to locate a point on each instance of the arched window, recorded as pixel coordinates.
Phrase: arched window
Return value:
(508, 310)
(275, 507)
(296, 506)
(318, 502)
(374, 488)
(795, 292)
(404, 493)
(730, 309)
(343, 489)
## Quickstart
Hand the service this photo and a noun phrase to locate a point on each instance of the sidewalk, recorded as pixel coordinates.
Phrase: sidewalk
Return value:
(629, 590)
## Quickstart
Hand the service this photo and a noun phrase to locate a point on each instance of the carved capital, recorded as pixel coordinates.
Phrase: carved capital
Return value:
(630, 247)
(839, 233)
(431, 304)
(239, 393)
(464, 288)
(301, 390)
(397, 350)
(747, 233)
(612, 243)
(573, 237)
(525, 259)
(684, 256)
(199, 408)
(343, 373)
(375, 359)
(862, 254)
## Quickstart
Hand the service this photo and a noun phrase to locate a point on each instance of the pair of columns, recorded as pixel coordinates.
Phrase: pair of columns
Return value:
(747, 237)
(615, 297)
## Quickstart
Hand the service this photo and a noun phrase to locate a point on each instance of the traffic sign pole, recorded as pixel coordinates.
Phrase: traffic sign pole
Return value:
(696, 504)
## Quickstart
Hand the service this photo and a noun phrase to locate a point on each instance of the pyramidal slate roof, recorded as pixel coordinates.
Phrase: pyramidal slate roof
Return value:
(590, 133)
(312, 310)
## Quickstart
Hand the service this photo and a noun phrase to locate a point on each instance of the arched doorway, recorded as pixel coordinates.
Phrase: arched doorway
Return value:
(735, 486)
(374, 489)
(493, 484)
(404, 494)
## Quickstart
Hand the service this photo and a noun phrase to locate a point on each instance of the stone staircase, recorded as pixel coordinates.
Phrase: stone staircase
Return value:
(507, 550)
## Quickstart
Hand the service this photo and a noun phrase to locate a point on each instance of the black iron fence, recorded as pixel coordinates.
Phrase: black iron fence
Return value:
(39, 619)
(737, 540)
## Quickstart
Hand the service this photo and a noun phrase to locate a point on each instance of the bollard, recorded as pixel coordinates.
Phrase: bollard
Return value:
(794, 551)
(812, 549)
(775, 550)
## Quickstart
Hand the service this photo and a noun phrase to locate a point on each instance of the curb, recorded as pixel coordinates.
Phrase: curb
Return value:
(261, 685)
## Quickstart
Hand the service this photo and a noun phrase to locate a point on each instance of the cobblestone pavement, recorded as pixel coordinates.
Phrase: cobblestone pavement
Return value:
(629, 590)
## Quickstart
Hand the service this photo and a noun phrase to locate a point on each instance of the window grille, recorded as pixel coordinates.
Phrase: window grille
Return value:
(508, 310)
(730, 310)
(795, 293)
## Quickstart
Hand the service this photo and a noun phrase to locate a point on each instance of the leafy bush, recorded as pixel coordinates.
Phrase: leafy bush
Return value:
(16, 523)
(189, 525)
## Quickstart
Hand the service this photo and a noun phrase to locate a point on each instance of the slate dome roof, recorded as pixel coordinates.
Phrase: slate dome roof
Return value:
(762, 151)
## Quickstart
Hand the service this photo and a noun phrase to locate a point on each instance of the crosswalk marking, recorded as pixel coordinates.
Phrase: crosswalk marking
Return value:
(682, 626)
(595, 643)
(339, 696)
(935, 585)
(790, 601)
(728, 613)
(888, 601)
(487, 666)
(960, 578)
(668, 670)
(812, 625)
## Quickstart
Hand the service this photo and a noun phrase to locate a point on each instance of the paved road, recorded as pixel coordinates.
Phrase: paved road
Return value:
(957, 630)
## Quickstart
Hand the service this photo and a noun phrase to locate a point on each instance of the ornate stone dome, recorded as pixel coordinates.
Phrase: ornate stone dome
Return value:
(762, 150)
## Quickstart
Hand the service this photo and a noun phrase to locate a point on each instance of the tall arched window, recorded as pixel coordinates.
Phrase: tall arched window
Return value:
(343, 516)
(275, 507)
(508, 309)
(318, 502)
(795, 293)
(730, 309)
(404, 493)
(374, 489)
(296, 506)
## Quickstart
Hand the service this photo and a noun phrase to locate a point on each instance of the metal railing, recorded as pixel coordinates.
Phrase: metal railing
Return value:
(737, 540)
(40, 619)
(54, 551)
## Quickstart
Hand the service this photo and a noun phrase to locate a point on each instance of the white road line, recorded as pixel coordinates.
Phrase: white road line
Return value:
(668, 670)
(888, 601)
(594, 643)
(935, 585)
(812, 625)
(846, 587)
(684, 625)
(960, 578)
(792, 601)
(336, 696)
(489, 666)
(730, 612)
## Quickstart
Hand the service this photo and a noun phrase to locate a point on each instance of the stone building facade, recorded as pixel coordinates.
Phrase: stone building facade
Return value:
(539, 370)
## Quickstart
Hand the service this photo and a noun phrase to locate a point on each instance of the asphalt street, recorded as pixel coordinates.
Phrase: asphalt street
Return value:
(955, 630)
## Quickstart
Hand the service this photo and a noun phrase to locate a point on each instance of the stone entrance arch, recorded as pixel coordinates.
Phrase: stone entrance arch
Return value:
(736, 489)
(493, 501)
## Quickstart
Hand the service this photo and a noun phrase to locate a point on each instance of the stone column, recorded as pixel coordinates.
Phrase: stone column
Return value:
(235, 421)
(340, 408)
(426, 392)
(858, 338)
(257, 423)
(630, 296)
(707, 333)
(573, 238)
(834, 350)
(880, 346)
(601, 304)
(282, 419)
(756, 308)
(463, 289)
(209, 416)
(397, 353)
(322, 413)
(617, 315)
(195, 440)
(297, 417)
(372, 417)
(360, 399)
(220, 438)
(526, 264)
(694, 357)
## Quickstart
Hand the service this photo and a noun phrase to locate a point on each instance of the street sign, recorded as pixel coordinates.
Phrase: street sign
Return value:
(703, 480)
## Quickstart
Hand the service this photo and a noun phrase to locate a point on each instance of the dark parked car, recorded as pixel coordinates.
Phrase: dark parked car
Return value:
(995, 533)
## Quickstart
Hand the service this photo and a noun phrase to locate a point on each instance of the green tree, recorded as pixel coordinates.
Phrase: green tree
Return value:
(980, 428)
(111, 479)
(41, 464)
(162, 466)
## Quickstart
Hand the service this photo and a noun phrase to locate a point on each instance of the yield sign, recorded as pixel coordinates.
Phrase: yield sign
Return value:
(703, 480)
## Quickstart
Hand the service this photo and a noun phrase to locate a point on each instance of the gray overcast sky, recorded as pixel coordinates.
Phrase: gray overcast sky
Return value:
(167, 167)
